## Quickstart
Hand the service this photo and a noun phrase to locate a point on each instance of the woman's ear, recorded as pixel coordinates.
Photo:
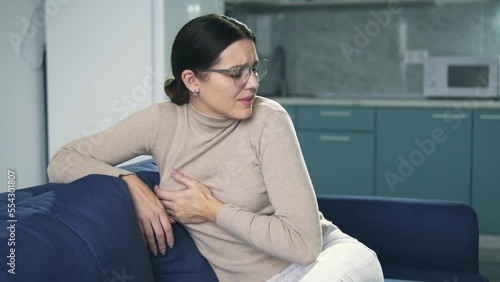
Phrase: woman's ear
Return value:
(190, 80)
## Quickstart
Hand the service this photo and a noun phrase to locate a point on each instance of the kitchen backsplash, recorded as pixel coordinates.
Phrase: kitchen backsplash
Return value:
(367, 50)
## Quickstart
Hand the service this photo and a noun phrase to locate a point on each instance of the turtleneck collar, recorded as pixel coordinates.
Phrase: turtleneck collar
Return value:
(209, 121)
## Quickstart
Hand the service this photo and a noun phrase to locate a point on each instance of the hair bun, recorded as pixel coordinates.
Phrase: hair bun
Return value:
(170, 87)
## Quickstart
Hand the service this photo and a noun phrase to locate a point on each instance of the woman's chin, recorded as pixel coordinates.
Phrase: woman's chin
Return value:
(244, 114)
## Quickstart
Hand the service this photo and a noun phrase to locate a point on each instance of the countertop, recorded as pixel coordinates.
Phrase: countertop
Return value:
(423, 103)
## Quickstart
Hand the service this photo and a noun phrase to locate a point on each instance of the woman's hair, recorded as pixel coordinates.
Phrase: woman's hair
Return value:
(198, 46)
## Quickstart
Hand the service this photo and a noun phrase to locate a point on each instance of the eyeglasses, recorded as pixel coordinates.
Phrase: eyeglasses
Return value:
(241, 74)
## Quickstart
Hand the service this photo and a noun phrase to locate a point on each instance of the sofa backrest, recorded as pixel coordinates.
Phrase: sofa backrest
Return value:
(409, 233)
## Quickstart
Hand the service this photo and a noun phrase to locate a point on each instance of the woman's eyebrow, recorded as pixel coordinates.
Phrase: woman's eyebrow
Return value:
(241, 65)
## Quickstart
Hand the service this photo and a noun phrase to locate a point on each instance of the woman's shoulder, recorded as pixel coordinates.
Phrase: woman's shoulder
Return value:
(167, 108)
(267, 112)
(156, 113)
(264, 107)
(269, 118)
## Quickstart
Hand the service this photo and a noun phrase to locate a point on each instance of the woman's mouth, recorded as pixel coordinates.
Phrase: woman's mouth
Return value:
(247, 101)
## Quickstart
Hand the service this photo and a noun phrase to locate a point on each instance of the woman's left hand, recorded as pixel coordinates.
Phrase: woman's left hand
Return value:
(194, 204)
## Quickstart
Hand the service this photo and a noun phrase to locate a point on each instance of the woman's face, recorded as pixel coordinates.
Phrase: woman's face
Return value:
(218, 94)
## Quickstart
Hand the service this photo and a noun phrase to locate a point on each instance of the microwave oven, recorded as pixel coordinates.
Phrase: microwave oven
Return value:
(461, 77)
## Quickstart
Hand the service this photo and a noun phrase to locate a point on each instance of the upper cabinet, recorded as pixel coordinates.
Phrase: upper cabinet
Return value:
(308, 3)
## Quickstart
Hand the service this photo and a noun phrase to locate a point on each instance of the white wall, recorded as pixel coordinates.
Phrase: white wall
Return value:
(108, 59)
(100, 66)
(101, 56)
(22, 111)
(101, 61)
(177, 13)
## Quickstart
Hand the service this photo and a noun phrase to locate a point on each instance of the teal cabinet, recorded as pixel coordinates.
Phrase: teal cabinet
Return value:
(348, 119)
(486, 170)
(339, 163)
(404, 152)
(424, 153)
(338, 147)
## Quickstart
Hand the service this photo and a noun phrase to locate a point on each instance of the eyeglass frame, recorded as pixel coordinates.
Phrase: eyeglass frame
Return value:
(232, 71)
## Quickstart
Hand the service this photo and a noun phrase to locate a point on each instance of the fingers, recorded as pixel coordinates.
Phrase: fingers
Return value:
(154, 224)
(167, 228)
(150, 237)
(159, 233)
(143, 236)
(164, 199)
(171, 220)
(171, 216)
(156, 233)
(161, 194)
(181, 178)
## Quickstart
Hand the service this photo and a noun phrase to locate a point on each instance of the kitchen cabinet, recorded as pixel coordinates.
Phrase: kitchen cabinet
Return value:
(424, 153)
(404, 149)
(486, 170)
(338, 147)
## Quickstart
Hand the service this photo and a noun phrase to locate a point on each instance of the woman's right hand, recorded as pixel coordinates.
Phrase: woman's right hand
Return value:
(153, 219)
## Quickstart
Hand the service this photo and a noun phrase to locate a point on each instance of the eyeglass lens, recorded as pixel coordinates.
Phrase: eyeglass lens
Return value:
(242, 75)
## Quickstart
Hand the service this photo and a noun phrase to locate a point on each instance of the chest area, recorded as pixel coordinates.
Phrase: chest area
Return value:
(229, 167)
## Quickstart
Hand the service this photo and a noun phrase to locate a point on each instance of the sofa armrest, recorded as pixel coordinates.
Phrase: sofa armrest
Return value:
(82, 231)
(87, 231)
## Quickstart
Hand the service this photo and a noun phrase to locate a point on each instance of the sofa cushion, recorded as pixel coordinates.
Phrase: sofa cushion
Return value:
(84, 231)
(182, 263)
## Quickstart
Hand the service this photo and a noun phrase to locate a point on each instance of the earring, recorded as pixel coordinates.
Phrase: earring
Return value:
(195, 94)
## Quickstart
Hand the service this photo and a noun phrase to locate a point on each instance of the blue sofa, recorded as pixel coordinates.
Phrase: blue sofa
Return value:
(87, 231)
(415, 239)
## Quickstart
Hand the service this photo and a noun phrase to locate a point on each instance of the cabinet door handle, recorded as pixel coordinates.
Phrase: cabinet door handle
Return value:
(334, 138)
(449, 116)
(489, 117)
(335, 114)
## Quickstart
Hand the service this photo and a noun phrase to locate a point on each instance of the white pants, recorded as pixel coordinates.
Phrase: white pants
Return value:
(343, 258)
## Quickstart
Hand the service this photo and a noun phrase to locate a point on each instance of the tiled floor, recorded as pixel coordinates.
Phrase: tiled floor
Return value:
(489, 256)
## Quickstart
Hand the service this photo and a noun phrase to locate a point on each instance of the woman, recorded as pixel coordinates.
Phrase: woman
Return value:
(231, 168)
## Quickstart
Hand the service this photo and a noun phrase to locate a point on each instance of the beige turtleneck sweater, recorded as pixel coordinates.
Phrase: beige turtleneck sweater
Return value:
(255, 166)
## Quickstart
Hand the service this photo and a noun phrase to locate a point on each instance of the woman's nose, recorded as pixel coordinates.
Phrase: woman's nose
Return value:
(253, 81)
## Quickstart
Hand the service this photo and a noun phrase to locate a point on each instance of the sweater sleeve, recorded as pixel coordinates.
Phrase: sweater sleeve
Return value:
(100, 152)
(293, 231)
